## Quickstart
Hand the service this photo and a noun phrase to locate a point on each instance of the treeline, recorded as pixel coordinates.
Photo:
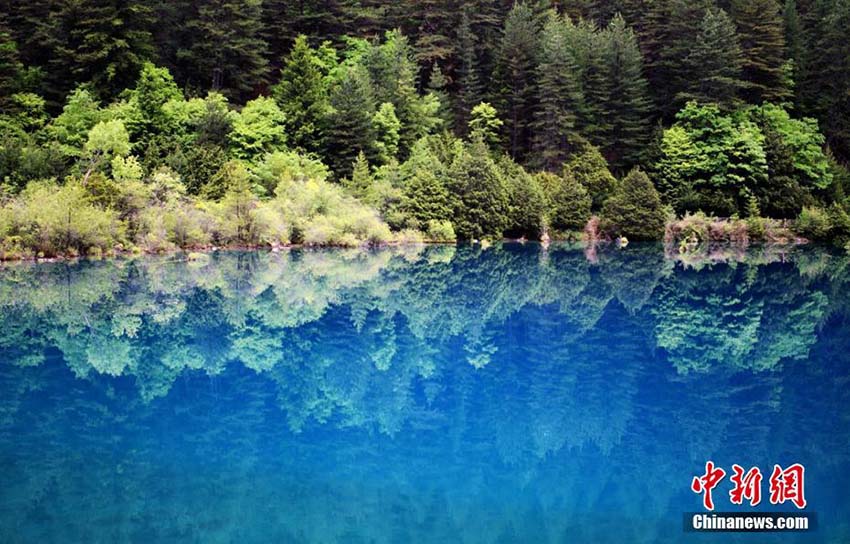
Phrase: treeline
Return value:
(435, 114)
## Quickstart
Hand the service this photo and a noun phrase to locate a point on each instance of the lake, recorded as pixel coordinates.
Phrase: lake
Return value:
(419, 394)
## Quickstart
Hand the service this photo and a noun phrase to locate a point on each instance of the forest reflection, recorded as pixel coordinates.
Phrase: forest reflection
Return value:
(504, 368)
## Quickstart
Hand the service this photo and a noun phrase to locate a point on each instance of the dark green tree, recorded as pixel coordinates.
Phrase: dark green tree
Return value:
(762, 39)
(303, 97)
(225, 48)
(559, 99)
(627, 106)
(634, 210)
(515, 75)
(481, 194)
(714, 62)
(349, 121)
(469, 91)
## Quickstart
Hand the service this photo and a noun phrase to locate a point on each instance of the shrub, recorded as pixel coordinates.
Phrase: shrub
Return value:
(813, 223)
(54, 220)
(569, 203)
(634, 209)
(441, 231)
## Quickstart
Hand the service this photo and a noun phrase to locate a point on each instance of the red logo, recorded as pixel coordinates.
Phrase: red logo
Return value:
(785, 485)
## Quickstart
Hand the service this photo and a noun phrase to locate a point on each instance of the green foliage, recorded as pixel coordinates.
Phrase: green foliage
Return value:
(560, 98)
(387, 129)
(53, 220)
(528, 211)
(760, 30)
(569, 203)
(484, 124)
(813, 223)
(302, 95)
(440, 231)
(154, 89)
(588, 167)
(107, 139)
(225, 47)
(798, 166)
(715, 60)
(514, 78)
(350, 129)
(626, 100)
(71, 127)
(708, 158)
(482, 197)
(258, 129)
(634, 210)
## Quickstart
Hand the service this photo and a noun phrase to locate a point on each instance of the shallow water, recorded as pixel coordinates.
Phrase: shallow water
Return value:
(433, 394)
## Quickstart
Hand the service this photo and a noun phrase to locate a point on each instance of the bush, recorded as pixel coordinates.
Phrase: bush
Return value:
(634, 209)
(441, 231)
(54, 220)
(813, 223)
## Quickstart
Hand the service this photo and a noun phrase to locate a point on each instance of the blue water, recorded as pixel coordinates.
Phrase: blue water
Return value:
(440, 394)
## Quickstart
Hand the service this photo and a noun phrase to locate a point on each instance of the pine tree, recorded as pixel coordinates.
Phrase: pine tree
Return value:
(101, 41)
(226, 51)
(668, 36)
(350, 121)
(634, 210)
(302, 96)
(627, 105)
(762, 39)
(11, 67)
(469, 92)
(794, 41)
(559, 97)
(515, 74)
(437, 85)
(716, 57)
(433, 35)
(392, 71)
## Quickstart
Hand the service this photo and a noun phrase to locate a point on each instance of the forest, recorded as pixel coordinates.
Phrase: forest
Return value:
(148, 126)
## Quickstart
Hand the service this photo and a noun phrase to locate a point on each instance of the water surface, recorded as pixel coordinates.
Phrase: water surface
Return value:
(438, 394)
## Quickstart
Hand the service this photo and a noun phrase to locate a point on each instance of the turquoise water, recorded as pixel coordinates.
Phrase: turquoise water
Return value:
(438, 394)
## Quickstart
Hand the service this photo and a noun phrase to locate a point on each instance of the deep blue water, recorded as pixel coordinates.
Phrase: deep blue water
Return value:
(439, 394)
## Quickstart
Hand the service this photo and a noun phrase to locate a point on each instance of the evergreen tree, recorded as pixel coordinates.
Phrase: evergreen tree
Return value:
(515, 74)
(438, 87)
(302, 96)
(667, 39)
(350, 119)
(226, 51)
(392, 71)
(626, 105)
(469, 92)
(762, 39)
(634, 210)
(559, 97)
(482, 199)
(716, 57)
(104, 42)
(11, 67)
(436, 20)
(793, 41)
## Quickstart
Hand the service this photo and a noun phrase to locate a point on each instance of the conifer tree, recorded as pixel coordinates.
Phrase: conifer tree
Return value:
(762, 39)
(559, 97)
(515, 74)
(626, 105)
(101, 42)
(634, 210)
(469, 92)
(350, 120)
(715, 61)
(302, 96)
(226, 50)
